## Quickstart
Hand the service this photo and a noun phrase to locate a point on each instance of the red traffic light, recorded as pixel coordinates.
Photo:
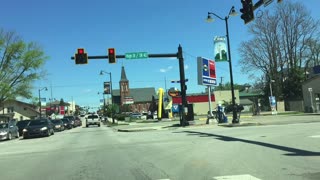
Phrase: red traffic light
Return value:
(80, 51)
(111, 50)
(112, 55)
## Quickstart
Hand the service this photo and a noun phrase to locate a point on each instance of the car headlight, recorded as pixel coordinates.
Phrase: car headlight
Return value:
(58, 126)
(24, 130)
(44, 128)
(3, 132)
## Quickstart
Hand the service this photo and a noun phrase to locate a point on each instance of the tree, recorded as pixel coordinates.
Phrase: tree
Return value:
(20, 66)
(227, 86)
(280, 48)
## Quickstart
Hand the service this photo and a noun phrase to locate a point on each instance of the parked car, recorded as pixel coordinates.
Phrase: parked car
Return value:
(58, 125)
(8, 131)
(71, 119)
(39, 127)
(21, 125)
(92, 119)
(77, 121)
(67, 123)
(135, 115)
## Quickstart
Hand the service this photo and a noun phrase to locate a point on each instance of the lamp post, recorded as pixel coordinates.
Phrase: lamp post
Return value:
(104, 102)
(232, 12)
(44, 88)
(270, 84)
(110, 76)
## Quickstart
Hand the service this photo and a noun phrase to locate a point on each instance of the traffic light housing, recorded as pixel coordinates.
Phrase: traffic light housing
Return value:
(81, 57)
(247, 11)
(112, 55)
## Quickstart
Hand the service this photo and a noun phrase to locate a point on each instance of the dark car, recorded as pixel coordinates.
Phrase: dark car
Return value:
(72, 120)
(8, 131)
(67, 124)
(58, 125)
(21, 125)
(39, 127)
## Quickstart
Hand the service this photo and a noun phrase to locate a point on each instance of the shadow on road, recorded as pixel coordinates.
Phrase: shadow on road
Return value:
(292, 151)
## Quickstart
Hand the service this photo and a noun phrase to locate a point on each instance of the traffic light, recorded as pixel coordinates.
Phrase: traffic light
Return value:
(81, 57)
(112, 55)
(247, 11)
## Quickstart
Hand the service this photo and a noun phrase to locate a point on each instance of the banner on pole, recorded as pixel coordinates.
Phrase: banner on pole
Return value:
(106, 87)
(220, 49)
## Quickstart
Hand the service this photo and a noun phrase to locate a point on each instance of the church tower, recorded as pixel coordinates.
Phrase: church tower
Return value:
(124, 85)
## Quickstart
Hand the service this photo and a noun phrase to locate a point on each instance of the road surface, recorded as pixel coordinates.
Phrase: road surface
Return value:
(255, 152)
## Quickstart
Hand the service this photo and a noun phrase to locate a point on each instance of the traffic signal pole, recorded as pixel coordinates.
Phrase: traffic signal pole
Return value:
(179, 56)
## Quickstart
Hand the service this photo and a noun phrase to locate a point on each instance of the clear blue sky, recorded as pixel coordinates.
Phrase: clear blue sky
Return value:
(129, 26)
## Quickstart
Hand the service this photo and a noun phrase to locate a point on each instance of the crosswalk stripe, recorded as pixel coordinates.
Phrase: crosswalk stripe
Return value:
(315, 136)
(236, 177)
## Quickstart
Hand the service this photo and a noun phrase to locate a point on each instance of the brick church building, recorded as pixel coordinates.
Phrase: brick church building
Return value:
(138, 99)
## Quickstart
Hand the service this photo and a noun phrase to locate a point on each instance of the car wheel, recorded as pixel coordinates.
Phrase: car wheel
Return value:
(9, 136)
(24, 137)
(48, 133)
(52, 132)
(98, 125)
(87, 125)
(17, 136)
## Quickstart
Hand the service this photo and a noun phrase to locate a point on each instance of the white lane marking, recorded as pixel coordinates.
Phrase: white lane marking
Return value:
(315, 136)
(236, 177)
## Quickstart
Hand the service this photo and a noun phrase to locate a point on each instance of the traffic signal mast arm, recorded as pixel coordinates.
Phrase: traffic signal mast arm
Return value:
(123, 56)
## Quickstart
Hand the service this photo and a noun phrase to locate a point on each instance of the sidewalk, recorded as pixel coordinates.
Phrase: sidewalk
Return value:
(201, 123)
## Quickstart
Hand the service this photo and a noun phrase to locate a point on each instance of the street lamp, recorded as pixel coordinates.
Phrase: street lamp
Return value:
(104, 72)
(44, 88)
(104, 102)
(232, 12)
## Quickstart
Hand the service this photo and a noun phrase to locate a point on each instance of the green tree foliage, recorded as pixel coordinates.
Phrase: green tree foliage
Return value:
(227, 86)
(20, 65)
(284, 41)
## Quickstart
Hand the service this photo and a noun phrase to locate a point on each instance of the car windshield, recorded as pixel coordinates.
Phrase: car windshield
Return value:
(38, 122)
(56, 121)
(23, 123)
(65, 120)
(2, 126)
(93, 116)
(69, 117)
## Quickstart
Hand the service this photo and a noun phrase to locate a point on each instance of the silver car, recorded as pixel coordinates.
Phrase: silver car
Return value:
(8, 131)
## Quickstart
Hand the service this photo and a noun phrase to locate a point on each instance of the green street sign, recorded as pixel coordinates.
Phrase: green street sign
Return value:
(136, 55)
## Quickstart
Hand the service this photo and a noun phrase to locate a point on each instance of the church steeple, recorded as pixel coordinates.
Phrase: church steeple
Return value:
(124, 86)
(123, 75)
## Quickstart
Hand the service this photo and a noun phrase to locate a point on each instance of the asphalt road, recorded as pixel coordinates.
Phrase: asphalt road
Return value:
(255, 152)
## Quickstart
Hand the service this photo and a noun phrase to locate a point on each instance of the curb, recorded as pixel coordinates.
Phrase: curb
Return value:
(240, 125)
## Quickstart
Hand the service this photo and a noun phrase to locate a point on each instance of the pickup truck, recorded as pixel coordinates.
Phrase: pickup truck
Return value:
(92, 119)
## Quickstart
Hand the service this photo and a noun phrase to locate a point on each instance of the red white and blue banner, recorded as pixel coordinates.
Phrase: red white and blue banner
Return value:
(206, 72)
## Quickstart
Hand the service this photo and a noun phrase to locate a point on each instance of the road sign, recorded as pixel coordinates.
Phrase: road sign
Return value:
(206, 71)
(175, 108)
(136, 55)
(178, 81)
